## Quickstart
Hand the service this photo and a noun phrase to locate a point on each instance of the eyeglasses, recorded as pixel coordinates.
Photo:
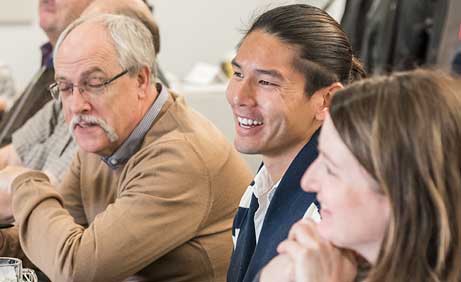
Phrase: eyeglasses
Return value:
(62, 89)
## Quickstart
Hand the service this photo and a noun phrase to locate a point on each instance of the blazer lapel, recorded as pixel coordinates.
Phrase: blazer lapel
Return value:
(287, 206)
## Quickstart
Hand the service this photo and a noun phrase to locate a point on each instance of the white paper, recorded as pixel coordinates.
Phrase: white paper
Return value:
(313, 213)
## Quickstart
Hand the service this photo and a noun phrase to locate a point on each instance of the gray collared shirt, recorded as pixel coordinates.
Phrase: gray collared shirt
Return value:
(131, 145)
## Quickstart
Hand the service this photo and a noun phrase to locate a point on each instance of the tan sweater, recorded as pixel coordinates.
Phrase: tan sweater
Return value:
(165, 216)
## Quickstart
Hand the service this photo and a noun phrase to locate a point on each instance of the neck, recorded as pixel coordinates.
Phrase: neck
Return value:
(277, 164)
(152, 97)
(369, 252)
(52, 38)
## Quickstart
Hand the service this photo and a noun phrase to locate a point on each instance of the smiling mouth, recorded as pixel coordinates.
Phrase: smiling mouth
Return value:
(249, 123)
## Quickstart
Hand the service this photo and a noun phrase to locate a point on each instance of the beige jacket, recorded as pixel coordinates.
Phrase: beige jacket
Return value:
(165, 216)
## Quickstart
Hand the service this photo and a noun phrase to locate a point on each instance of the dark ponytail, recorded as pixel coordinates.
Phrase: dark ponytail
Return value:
(357, 70)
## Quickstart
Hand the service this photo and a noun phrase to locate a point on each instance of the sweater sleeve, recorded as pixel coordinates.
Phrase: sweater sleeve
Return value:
(69, 189)
(9, 238)
(164, 196)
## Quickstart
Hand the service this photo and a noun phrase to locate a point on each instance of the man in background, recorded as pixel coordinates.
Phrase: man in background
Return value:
(54, 17)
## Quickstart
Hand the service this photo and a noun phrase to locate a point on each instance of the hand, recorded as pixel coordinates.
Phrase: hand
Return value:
(7, 176)
(277, 270)
(315, 259)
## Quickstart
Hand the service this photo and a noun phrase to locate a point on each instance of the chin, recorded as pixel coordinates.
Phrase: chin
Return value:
(245, 147)
(92, 149)
(91, 146)
(92, 140)
(249, 150)
(327, 232)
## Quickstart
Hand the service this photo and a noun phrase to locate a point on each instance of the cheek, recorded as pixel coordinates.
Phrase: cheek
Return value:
(273, 108)
(340, 206)
(229, 91)
(377, 215)
(356, 219)
(120, 114)
(336, 197)
(67, 114)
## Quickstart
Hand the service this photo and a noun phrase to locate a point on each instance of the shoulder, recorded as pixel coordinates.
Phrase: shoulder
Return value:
(182, 130)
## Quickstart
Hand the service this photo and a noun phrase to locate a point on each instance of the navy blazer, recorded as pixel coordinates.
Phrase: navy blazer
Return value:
(288, 205)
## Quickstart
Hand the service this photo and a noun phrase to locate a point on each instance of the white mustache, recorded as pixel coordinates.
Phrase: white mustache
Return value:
(92, 120)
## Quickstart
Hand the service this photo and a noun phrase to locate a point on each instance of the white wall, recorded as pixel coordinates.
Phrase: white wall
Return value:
(208, 30)
(19, 48)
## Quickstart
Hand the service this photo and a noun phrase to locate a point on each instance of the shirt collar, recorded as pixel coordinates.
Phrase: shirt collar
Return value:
(47, 55)
(263, 183)
(132, 144)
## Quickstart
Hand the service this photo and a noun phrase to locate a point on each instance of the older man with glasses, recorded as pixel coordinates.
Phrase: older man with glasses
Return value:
(44, 141)
(152, 192)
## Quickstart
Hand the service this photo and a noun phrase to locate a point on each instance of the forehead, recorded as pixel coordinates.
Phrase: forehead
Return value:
(260, 49)
(77, 5)
(87, 46)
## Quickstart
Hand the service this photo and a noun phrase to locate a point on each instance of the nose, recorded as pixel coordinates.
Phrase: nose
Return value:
(240, 93)
(310, 181)
(77, 103)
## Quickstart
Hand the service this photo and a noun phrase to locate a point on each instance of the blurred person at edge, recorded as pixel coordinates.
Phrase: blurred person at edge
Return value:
(7, 88)
(287, 68)
(54, 17)
(388, 179)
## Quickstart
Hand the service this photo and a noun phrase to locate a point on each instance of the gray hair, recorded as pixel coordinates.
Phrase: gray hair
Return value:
(131, 39)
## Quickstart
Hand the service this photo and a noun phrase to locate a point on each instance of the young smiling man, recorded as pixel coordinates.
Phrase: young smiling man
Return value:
(287, 67)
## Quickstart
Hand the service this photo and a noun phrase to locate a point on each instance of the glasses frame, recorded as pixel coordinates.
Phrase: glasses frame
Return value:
(54, 90)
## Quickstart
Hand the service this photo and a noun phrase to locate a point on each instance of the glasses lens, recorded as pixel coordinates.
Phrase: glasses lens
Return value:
(95, 89)
(54, 91)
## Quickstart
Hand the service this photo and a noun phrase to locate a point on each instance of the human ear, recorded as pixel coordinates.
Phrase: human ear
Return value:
(325, 96)
(143, 80)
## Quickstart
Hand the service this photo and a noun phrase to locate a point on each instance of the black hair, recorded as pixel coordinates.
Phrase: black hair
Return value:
(324, 52)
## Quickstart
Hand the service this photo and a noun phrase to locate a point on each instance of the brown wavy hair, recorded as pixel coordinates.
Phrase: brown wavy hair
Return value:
(405, 129)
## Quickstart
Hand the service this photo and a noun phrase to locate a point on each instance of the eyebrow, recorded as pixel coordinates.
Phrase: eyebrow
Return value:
(274, 73)
(84, 74)
(235, 64)
(329, 159)
(92, 70)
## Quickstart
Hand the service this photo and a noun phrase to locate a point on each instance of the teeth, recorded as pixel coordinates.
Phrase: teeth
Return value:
(249, 122)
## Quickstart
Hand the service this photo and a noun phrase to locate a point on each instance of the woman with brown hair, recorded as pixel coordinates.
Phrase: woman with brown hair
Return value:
(388, 179)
